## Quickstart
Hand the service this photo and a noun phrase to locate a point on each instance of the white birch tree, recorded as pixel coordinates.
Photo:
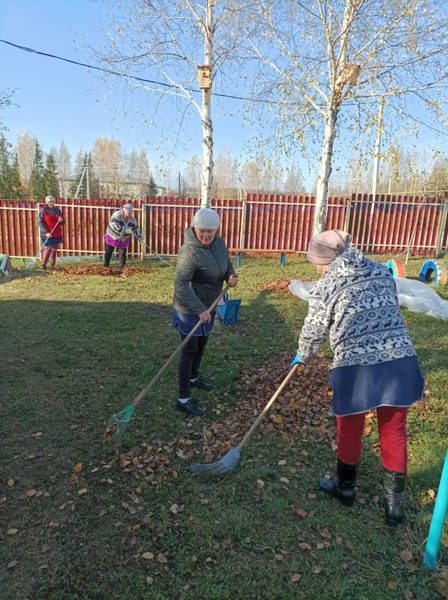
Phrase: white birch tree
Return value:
(182, 46)
(320, 59)
(26, 148)
(64, 168)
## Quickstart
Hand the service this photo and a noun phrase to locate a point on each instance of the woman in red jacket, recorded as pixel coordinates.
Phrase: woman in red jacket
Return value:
(50, 225)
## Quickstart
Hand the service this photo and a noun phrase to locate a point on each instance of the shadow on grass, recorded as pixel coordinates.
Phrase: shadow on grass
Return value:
(66, 366)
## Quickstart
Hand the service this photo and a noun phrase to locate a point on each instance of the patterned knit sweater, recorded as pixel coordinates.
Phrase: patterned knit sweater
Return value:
(121, 230)
(356, 300)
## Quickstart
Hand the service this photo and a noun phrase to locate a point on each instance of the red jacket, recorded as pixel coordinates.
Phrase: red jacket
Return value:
(48, 218)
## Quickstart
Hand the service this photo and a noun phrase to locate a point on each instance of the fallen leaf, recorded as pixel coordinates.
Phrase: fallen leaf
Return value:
(284, 479)
(83, 491)
(304, 546)
(78, 467)
(174, 509)
(301, 513)
(260, 483)
(149, 580)
(339, 540)
(162, 558)
(36, 435)
(148, 556)
(277, 419)
(278, 556)
(406, 555)
(12, 564)
(62, 506)
(174, 474)
(53, 524)
(10, 482)
(296, 577)
(349, 544)
(282, 462)
(31, 493)
(392, 585)
(312, 496)
(432, 494)
(316, 569)
(12, 531)
(320, 545)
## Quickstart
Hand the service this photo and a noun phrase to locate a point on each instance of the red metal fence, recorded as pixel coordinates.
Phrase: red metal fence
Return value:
(390, 224)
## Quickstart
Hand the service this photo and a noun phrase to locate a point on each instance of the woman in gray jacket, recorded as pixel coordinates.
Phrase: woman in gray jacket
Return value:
(202, 267)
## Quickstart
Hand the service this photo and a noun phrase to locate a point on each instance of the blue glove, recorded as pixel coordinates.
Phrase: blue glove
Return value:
(296, 360)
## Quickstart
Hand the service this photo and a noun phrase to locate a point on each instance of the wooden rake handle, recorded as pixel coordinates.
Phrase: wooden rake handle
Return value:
(249, 434)
(156, 378)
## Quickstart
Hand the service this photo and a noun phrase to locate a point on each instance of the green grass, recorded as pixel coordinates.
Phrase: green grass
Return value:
(75, 351)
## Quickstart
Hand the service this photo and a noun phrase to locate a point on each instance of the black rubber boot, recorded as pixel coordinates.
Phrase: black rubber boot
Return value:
(394, 493)
(343, 486)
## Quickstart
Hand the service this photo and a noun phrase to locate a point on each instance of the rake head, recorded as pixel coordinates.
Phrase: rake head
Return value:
(118, 423)
(222, 468)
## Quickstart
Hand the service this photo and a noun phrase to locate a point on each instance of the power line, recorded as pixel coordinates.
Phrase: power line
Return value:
(134, 77)
(170, 86)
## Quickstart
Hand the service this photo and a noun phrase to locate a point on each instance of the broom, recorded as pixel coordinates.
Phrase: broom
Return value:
(118, 422)
(227, 464)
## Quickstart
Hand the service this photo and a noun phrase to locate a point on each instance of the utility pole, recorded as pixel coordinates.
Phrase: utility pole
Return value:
(87, 181)
(377, 150)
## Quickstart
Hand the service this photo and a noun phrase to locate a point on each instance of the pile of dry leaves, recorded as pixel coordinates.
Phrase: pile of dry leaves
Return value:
(76, 272)
(279, 285)
(301, 411)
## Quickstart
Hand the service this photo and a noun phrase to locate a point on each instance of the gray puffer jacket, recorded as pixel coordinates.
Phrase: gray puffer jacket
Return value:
(200, 273)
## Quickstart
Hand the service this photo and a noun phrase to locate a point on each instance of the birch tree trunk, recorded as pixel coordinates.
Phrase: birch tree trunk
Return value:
(320, 214)
(207, 126)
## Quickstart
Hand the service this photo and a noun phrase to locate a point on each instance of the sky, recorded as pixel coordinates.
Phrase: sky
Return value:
(58, 101)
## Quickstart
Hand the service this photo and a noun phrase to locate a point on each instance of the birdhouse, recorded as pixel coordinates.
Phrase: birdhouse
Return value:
(205, 78)
(349, 75)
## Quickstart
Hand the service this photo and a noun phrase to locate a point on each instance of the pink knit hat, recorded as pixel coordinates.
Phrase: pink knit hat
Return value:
(326, 246)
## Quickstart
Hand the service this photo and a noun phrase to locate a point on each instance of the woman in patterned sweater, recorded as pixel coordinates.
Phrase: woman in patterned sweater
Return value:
(122, 226)
(374, 367)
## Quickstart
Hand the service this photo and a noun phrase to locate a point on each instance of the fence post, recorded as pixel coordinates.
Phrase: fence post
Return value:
(143, 250)
(348, 208)
(37, 228)
(243, 224)
(441, 228)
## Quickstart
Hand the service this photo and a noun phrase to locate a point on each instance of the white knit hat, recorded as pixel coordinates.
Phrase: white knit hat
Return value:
(49, 199)
(206, 218)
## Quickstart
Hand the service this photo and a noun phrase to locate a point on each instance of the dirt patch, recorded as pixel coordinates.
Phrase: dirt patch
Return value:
(76, 272)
